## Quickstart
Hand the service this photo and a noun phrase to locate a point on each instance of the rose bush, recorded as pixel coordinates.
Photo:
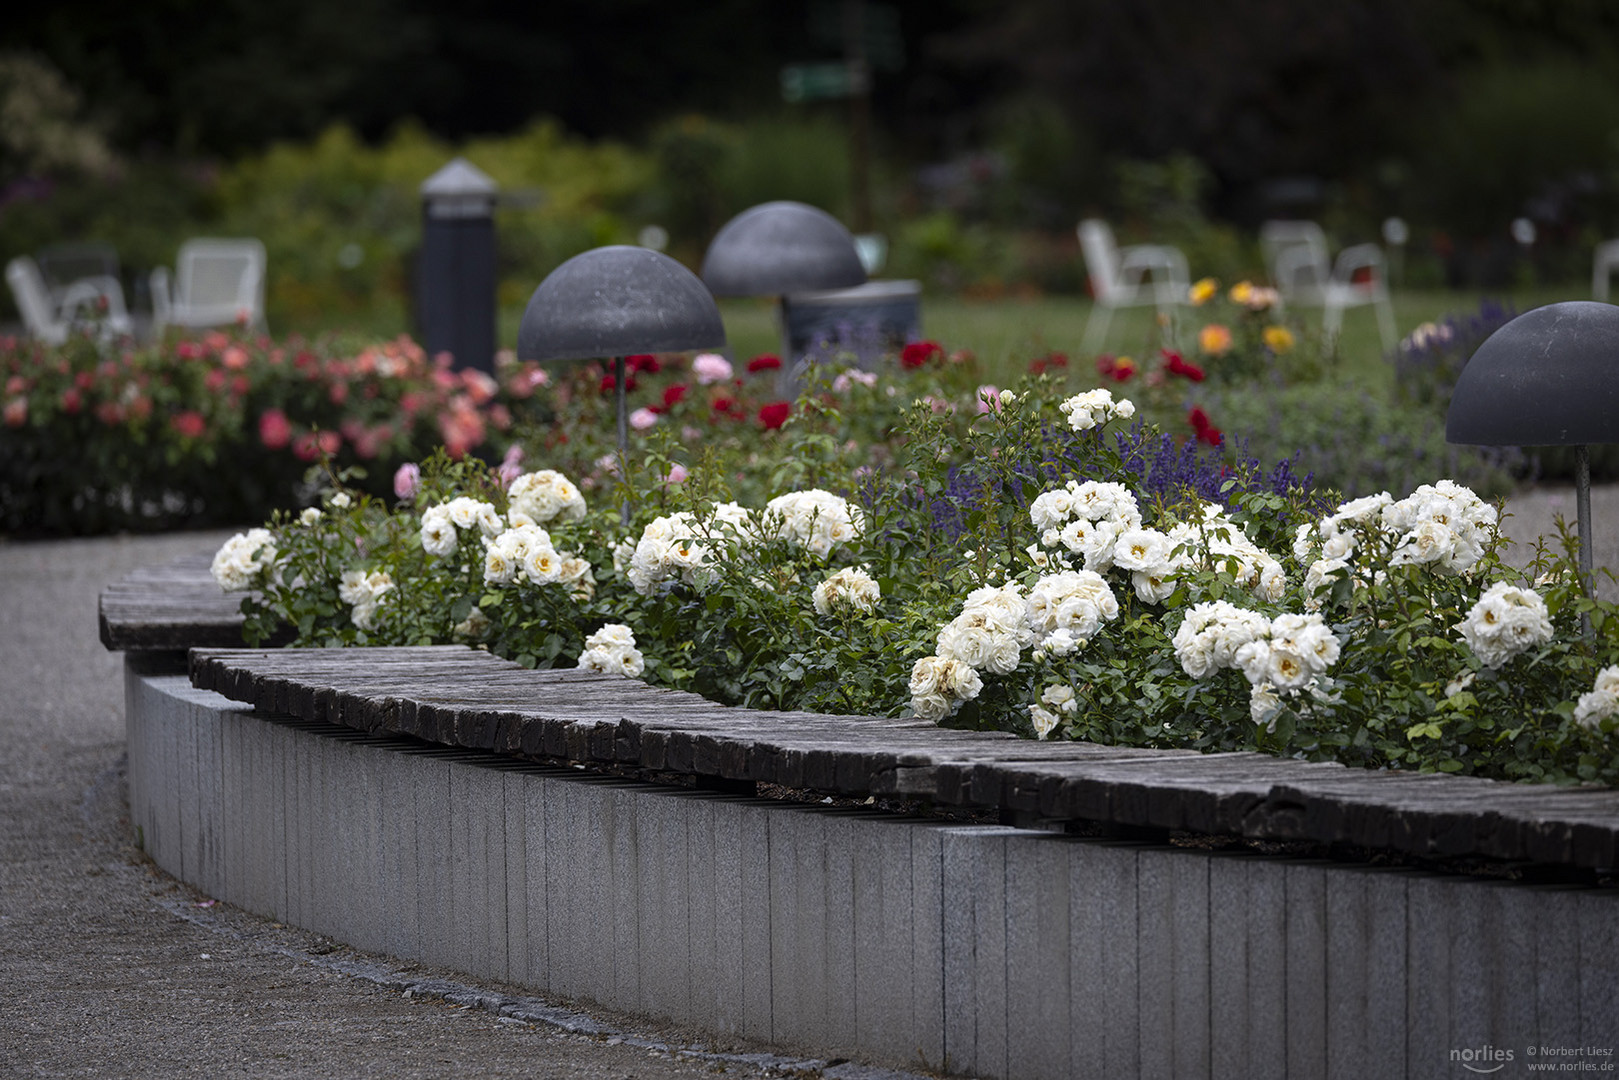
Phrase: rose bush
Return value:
(222, 428)
(1028, 567)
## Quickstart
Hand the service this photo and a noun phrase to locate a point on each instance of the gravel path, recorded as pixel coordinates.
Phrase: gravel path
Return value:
(108, 967)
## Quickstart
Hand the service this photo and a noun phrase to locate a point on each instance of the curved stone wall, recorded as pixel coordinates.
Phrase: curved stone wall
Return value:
(984, 950)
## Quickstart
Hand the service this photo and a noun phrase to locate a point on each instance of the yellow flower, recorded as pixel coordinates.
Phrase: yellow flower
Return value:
(1214, 339)
(1203, 291)
(1278, 338)
(1241, 292)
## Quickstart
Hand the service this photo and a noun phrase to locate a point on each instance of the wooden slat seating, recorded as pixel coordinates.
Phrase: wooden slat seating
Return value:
(464, 697)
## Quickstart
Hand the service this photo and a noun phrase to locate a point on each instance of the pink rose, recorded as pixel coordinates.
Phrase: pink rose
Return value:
(711, 368)
(407, 481)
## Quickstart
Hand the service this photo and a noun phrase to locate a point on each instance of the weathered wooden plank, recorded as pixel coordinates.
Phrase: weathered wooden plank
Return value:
(464, 697)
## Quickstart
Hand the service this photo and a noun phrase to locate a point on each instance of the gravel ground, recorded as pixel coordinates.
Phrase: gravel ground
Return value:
(109, 967)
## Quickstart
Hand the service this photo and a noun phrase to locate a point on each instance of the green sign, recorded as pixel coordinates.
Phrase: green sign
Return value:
(823, 82)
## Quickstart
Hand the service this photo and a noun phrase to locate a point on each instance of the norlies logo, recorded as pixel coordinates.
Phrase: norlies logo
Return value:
(1474, 1060)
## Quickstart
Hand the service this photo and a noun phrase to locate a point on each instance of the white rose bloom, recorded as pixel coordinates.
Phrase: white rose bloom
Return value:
(971, 644)
(1212, 635)
(579, 576)
(850, 587)
(242, 558)
(352, 587)
(1601, 702)
(939, 684)
(542, 565)
(342, 501)
(1264, 706)
(1339, 546)
(1594, 707)
(815, 520)
(1141, 549)
(438, 531)
(1045, 721)
(1305, 538)
(310, 515)
(499, 568)
(1506, 621)
(463, 511)
(612, 650)
(1093, 408)
(1078, 601)
(1051, 509)
(1060, 642)
(1060, 697)
(1152, 587)
(545, 496)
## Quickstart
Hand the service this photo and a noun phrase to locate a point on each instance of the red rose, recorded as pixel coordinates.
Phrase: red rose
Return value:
(642, 362)
(1177, 366)
(609, 384)
(764, 362)
(918, 353)
(1211, 435)
(673, 394)
(774, 415)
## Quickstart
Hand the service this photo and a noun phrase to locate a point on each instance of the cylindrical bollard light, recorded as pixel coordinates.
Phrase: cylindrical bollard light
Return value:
(455, 278)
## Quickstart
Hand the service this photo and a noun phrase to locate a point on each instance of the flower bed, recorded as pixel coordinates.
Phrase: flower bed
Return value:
(1021, 565)
(223, 428)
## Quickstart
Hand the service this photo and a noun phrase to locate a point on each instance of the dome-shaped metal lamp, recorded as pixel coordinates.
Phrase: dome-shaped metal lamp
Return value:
(777, 248)
(618, 301)
(1550, 377)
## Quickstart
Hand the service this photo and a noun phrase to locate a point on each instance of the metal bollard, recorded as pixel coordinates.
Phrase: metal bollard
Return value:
(455, 278)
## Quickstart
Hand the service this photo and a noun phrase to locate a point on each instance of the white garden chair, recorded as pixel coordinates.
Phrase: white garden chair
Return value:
(1296, 253)
(1603, 264)
(92, 302)
(1131, 277)
(218, 283)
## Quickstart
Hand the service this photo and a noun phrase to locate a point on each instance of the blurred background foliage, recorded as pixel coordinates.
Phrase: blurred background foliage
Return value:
(994, 129)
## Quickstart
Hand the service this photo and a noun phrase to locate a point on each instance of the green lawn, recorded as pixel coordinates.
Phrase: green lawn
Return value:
(1006, 334)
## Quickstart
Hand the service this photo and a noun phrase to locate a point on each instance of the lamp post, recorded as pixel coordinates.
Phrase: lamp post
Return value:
(777, 248)
(618, 301)
(1550, 377)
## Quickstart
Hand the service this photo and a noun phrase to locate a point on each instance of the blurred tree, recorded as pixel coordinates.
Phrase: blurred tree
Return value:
(42, 129)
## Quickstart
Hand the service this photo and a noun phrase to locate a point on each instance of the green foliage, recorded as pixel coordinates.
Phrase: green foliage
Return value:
(1355, 441)
(732, 602)
(342, 220)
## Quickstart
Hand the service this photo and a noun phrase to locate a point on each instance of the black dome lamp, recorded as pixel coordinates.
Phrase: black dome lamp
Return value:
(778, 248)
(1550, 377)
(617, 301)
